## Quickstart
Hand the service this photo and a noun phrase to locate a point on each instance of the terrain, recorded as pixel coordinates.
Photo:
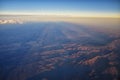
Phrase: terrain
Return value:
(58, 51)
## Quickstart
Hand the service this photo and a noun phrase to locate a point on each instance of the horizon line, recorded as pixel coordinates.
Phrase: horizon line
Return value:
(59, 16)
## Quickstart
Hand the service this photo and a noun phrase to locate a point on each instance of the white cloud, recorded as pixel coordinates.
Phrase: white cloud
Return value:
(10, 21)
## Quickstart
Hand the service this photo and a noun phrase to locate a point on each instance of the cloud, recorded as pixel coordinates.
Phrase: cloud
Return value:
(10, 21)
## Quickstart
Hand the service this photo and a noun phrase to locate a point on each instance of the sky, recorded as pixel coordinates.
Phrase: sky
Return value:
(82, 8)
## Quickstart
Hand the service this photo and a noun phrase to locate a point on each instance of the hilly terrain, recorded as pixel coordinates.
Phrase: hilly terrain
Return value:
(58, 51)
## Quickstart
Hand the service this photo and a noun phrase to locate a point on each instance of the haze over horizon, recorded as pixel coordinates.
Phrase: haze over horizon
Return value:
(72, 8)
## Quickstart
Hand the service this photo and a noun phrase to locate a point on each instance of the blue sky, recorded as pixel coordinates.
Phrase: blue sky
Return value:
(110, 7)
